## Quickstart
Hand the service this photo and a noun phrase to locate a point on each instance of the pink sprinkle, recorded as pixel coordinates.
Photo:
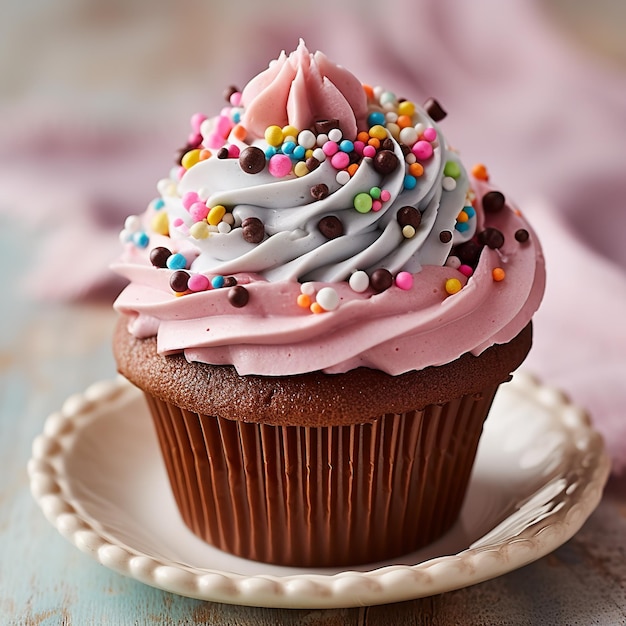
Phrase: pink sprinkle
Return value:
(430, 134)
(181, 172)
(196, 121)
(422, 150)
(235, 98)
(466, 270)
(198, 211)
(194, 138)
(377, 205)
(214, 141)
(224, 126)
(339, 160)
(233, 151)
(404, 280)
(330, 148)
(189, 198)
(385, 195)
(177, 221)
(279, 165)
(358, 147)
(369, 151)
(198, 282)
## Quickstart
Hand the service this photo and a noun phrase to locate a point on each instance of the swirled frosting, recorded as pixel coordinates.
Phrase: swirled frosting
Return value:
(320, 224)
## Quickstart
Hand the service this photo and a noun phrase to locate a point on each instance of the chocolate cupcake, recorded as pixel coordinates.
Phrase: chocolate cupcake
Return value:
(321, 306)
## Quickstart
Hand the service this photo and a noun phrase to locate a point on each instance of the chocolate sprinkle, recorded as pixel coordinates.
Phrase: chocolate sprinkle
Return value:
(330, 226)
(179, 281)
(380, 280)
(312, 163)
(319, 191)
(493, 201)
(229, 281)
(522, 235)
(385, 162)
(491, 237)
(238, 296)
(386, 144)
(252, 160)
(222, 153)
(468, 252)
(253, 230)
(409, 216)
(434, 109)
(445, 236)
(325, 126)
(159, 256)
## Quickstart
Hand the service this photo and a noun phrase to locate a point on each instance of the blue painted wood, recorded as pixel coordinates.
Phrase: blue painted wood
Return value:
(48, 352)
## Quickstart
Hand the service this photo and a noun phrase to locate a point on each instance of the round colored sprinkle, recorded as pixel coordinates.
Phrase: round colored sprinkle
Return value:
(179, 281)
(359, 281)
(498, 274)
(160, 224)
(238, 296)
(216, 214)
(274, 135)
(378, 131)
(479, 171)
(410, 182)
(300, 169)
(190, 158)
(385, 195)
(308, 289)
(343, 177)
(363, 202)
(452, 168)
(217, 281)
(132, 223)
(159, 256)
(423, 150)
(327, 298)
(199, 230)
(376, 118)
(466, 270)
(304, 300)
(253, 230)
(306, 139)
(189, 199)
(381, 279)
(340, 160)
(279, 165)
(404, 280)
(453, 285)
(335, 134)
(198, 211)
(252, 160)
(176, 262)
(141, 239)
(408, 231)
(430, 134)
(316, 307)
(408, 135)
(453, 261)
(198, 282)
(448, 183)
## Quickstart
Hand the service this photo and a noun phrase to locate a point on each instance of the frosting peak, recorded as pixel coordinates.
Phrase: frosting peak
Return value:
(301, 88)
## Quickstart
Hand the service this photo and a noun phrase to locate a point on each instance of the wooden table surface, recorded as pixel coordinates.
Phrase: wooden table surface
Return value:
(48, 352)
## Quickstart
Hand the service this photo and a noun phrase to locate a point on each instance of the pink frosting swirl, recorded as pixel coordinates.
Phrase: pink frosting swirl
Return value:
(301, 88)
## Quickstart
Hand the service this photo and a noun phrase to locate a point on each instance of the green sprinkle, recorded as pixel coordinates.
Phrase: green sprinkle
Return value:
(375, 193)
(363, 202)
(452, 169)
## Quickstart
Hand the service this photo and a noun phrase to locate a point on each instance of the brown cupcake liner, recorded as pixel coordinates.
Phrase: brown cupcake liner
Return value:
(322, 496)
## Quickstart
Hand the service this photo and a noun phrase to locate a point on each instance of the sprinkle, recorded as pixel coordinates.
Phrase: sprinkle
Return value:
(462, 217)
(319, 191)
(363, 136)
(158, 204)
(448, 183)
(377, 205)
(352, 168)
(408, 135)
(381, 279)
(327, 298)
(410, 182)
(198, 211)
(409, 216)
(406, 107)
(434, 109)
(335, 134)
(224, 227)
(190, 158)
(300, 169)
(378, 132)
(298, 153)
(306, 139)
(216, 214)
(491, 237)
(453, 285)
(279, 165)
(159, 256)
(274, 135)
(304, 300)
(252, 160)
(179, 281)
(196, 121)
(408, 231)
(466, 270)
(479, 171)
(376, 118)
(343, 177)
(416, 169)
(316, 308)
(498, 274)
(363, 202)
(385, 195)
(132, 223)
(385, 162)
(177, 262)
(288, 147)
(307, 288)
(346, 146)
(318, 154)
(140, 239)
(369, 151)
(330, 148)
(253, 230)
(445, 236)
(233, 151)
(423, 150)
(452, 168)
(198, 282)
(359, 281)
(239, 132)
(404, 280)
(290, 131)
(493, 201)
(375, 192)
(404, 121)
(312, 163)
(340, 160)
(160, 224)
(331, 227)
(522, 235)
(217, 281)
(430, 134)
(453, 261)
(238, 296)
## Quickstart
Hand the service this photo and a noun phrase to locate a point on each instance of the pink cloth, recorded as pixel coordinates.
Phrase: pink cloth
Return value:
(546, 116)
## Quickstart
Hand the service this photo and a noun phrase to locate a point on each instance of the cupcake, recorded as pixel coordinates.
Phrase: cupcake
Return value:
(322, 303)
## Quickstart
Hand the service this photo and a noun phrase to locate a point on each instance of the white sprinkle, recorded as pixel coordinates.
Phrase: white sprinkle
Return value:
(132, 223)
(453, 261)
(223, 227)
(448, 183)
(319, 154)
(335, 135)
(308, 289)
(359, 281)
(328, 298)
(343, 177)
(125, 236)
(307, 139)
(391, 116)
(408, 135)
(322, 138)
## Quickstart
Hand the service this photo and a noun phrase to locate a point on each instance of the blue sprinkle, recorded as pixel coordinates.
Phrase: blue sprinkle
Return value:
(176, 262)
(237, 117)
(288, 147)
(159, 203)
(140, 239)
(462, 226)
(375, 117)
(470, 211)
(270, 151)
(298, 153)
(217, 282)
(410, 182)
(346, 146)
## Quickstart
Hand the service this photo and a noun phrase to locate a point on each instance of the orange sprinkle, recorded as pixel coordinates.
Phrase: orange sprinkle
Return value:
(416, 169)
(373, 141)
(363, 136)
(352, 168)
(316, 308)
(304, 301)
(369, 91)
(204, 154)
(178, 294)
(462, 217)
(239, 132)
(498, 274)
(404, 121)
(479, 171)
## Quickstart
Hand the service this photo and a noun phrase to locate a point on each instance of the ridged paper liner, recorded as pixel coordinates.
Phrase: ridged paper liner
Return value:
(325, 496)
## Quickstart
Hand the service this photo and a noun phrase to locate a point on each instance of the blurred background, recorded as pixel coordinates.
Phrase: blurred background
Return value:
(95, 100)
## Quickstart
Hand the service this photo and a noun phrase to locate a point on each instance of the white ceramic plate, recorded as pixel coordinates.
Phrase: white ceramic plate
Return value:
(98, 477)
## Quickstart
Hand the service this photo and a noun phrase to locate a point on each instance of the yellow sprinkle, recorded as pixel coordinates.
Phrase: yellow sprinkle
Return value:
(453, 285)
(290, 131)
(216, 214)
(408, 231)
(300, 169)
(378, 131)
(274, 135)
(200, 230)
(406, 108)
(308, 154)
(190, 158)
(160, 224)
